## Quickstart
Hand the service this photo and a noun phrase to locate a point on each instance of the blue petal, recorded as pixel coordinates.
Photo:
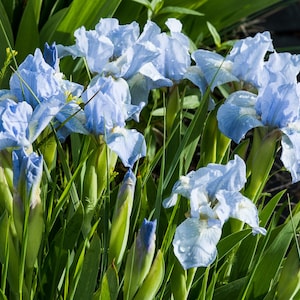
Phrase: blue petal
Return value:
(247, 57)
(129, 144)
(14, 122)
(143, 82)
(238, 207)
(121, 36)
(291, 151)
(27, 171)
(197, 77)
(97, 49)
(238, 115)
(51, 56)
(215, 68)
(73, 119)
(195, 242)
(108, 104)
(208, 180)
(283, 68)
(147, 234)
(278, 105)
(41, 117)
(132, 60)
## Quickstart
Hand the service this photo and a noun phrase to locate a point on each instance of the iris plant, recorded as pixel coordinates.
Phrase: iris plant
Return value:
(275, 104)
(214, 196)
(147, 60)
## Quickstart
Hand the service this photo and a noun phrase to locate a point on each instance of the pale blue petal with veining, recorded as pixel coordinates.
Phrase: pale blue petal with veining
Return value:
(215, 68)
(195, 242)
(247, 57)
(238, 115)
(238, 207)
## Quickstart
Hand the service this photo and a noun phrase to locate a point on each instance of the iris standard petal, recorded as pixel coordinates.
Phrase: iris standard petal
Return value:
(121, 36)
(209, 180)
(129, 144)
(35, 81)
(215, 68)
(247, 56)
(283, 67)
(278, 105)
(238, 115)
(195, 242)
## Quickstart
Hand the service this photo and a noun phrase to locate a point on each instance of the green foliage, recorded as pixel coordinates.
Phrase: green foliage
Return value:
(88, 245)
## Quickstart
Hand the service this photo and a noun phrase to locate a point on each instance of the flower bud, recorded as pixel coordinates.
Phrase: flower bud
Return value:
(153, 280)
(139, 258)
(27, 178)
(51, 56)
(121, 218)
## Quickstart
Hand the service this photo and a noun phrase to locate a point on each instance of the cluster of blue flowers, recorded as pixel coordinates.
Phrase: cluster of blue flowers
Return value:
(126, 65)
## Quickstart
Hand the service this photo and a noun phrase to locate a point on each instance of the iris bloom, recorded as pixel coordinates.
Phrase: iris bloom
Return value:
(245, 62)
(147, 60)
(139, 259)
(214, 197)
(38, 80)
(276, 106)
(107, 109)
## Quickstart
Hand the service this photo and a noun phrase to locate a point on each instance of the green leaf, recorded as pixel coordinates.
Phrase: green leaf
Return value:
(146, 3)
(28, 38)
(80, 13)
(179, 10)
(229, 242)
(88, 276)
(289, 281)
(153, 280)
(68, 236)
(48, 30)
(268, 210)
(230, 290)
(109, 286)
(262, 281)
(213, 31)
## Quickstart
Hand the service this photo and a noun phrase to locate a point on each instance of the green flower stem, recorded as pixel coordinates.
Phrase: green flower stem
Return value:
(261, 160)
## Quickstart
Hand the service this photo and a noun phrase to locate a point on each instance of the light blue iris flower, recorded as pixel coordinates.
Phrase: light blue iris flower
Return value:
(27, 170)
(245, 62)
(276, 105)
(38, 80)
(107, 109)
(147, 60)
(214, 197)
(20, 125)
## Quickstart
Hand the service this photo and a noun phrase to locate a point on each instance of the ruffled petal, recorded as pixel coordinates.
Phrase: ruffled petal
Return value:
(215, 68)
